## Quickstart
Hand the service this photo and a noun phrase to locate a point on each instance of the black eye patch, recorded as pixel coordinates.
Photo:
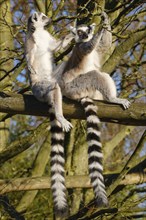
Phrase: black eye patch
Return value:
(35, 17)
(29, 20)
(80, 32)
(89, 29)
(43, 17)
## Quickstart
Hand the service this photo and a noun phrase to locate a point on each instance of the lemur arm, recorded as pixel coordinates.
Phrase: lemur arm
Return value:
(30, 57)
(88, 47)
(106, 38)
(62, 44)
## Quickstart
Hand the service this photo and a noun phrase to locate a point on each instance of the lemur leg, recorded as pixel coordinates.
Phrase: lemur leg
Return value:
(56, 101)
(109, 91)
(86, 85)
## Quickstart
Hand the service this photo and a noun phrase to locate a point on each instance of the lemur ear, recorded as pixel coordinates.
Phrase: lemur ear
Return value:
(72, 29)
(34, 17)
(92, 26)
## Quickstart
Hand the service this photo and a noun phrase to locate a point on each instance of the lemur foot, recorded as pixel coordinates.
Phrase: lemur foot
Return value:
(66, 125)
(126, 104)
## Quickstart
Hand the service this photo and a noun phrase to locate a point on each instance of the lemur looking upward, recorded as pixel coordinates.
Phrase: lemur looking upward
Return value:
(80, 78)
(39, 47)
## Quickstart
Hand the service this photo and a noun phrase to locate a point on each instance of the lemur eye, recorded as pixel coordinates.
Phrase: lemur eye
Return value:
(43, 18)
(80, 32)
(35, 17)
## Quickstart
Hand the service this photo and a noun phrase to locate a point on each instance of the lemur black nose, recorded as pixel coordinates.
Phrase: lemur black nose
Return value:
(84, 36)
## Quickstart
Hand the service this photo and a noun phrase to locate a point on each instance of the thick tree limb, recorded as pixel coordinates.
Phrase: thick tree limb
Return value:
(35, 183)
(28, 105)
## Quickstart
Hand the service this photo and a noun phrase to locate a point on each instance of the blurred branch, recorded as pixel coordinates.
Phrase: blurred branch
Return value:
(64, 17)
(13, 69)
(28, 105)
(113, 143)
(10, 209)
(58, 9)
(38, 170)
(23, 143)
(131, 163)
(127, 9)
(40, 5)
(35, 183)
(120, 50)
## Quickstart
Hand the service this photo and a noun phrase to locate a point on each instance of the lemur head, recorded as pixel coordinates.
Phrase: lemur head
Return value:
(83, 33)
(37, 20)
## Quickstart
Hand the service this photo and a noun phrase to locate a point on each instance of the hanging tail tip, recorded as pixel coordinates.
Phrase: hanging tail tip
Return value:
(61, 212)
(102, 202)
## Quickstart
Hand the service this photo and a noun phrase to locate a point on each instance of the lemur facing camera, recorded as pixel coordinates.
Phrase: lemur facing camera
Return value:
(80, 78)
(39, 47)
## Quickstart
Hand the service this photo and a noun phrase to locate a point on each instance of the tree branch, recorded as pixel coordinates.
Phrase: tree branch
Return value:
(35, 183)
(23, 143)
(120, 50)
(38, 170)
(28, 105)
(129, 164)
(113, 143)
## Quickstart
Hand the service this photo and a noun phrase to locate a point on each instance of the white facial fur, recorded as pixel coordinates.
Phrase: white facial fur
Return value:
(39, 20)
(83, 33)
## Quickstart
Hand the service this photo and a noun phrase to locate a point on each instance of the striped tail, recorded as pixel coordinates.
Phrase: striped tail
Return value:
(57, 167)
(95, 155)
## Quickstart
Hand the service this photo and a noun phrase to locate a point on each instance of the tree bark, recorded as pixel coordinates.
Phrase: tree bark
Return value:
(22, 144)
(131, 163)
(121, 49)
(28, 105)
(6, 45)
(35, 183)
(38, 170)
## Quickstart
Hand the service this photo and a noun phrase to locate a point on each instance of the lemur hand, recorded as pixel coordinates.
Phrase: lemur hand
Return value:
(104, 18)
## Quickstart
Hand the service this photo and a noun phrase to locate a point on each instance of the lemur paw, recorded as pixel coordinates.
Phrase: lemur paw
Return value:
(104, 17)
(66, 125)
(126, 104)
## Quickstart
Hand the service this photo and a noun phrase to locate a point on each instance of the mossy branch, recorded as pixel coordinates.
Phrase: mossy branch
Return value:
(35, 183)
(38, 170)
(22, 144)
(120, 50)
(132, 162)
(28, 105)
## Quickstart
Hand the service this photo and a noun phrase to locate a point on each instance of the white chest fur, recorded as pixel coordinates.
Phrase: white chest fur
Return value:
(42, 39)
(90, 62)
(43, 55)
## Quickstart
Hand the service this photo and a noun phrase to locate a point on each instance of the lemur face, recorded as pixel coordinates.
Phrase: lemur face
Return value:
(38, 20)
(83, 33)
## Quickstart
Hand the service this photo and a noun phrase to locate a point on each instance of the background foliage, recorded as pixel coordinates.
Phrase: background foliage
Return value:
(29, 137)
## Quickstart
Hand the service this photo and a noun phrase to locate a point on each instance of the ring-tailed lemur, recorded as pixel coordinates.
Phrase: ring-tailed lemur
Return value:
(39, 47)
(80, 78)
